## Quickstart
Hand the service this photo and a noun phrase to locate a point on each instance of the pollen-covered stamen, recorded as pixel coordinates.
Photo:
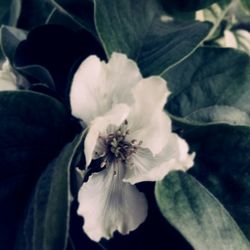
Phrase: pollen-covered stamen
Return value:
(118, 148)
(115, 146)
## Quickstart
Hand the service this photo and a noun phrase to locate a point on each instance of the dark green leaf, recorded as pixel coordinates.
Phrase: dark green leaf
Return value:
(9, 12)
(50, 55)
(80, 11)
(212, 85)
(246, 5)
(60, 17)
(184, 16)
(196, 213)
(222, 165)
(1, 54)
(34, 13)
(47, 222)
(10, 38)
(33, 129)
(187, 5)
(140, 30)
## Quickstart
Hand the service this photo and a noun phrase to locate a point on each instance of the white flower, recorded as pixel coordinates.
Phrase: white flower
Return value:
(7, 78)
(129, 135)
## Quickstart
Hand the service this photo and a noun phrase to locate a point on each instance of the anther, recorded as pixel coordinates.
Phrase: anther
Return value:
(103, 164)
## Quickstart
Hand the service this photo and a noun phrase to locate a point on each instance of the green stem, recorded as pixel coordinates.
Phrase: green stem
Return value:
(219, 20)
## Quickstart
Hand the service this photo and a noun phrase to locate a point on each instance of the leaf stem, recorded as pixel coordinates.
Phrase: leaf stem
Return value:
(219, 20)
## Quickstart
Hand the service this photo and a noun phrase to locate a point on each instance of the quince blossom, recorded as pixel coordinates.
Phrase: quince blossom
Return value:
(129, 136)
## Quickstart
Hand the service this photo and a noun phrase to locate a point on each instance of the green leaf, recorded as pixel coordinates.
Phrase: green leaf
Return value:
(48, 216)
(211, 86)
(34, 127)
(184, 16)
(34, 13)
(60, 17)
(10, 39)
(246, 5)
(173, 6)
(9, 12)
(187, 5)
(140, 30)
(79, 11)
(30, 120)
(222, 165)
(32, 60)
(1, 55)
(196, 213)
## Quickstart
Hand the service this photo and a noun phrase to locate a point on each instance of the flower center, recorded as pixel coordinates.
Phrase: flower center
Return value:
(118, 148)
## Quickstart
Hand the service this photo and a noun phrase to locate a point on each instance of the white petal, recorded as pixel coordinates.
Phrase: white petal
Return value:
(99, 126)
(148, 122)
(177, 149)
(7, 78)
(86, 87)
(107, 204)
(123, 75)
(155, 134)
(97, 86)
(141, 164)
(7, 86)
(146, 167)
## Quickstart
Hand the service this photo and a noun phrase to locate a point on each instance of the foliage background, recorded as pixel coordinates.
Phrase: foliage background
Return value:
(206, 65)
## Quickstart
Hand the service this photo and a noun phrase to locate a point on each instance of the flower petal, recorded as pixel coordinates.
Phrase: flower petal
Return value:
(148, 122)
(87, 83)
(99, 126)
(7, 78)
(155, 135)
(141, 164)
(146, 167)
(177, 148)
(123, 74)
(97, 86)
(107, 204)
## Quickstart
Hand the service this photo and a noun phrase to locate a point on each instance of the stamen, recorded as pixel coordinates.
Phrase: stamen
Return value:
(102, 154)
(118, 148)
(103, 164)
(115, 170)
